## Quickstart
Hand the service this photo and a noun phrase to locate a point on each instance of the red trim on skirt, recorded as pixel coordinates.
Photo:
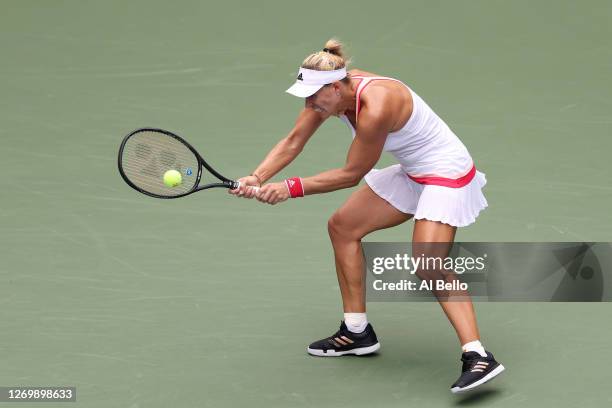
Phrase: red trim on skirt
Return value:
(446, 182)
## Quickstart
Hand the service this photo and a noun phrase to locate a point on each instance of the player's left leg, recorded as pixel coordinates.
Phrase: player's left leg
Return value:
(460, 313)
(479, 365)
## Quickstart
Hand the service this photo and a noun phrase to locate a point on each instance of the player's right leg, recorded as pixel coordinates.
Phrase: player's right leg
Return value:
(362, 213)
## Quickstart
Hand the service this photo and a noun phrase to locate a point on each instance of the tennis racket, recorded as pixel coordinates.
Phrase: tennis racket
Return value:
(146, 154)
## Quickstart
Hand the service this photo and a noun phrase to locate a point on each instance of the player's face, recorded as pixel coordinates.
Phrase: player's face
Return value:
(326, 100)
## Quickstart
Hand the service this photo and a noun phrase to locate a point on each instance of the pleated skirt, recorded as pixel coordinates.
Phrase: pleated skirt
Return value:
(458, 207)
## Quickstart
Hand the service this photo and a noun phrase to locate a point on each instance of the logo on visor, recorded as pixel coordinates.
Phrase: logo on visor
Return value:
(299, 77)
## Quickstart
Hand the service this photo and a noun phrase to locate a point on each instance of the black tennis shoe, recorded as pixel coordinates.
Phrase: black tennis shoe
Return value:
(476, 371)
(346, 342)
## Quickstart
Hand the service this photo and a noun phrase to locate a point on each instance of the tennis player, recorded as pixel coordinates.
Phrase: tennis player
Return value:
(435, 182)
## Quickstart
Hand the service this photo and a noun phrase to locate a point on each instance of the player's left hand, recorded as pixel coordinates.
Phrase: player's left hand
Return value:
(244, 190)
(273, 193)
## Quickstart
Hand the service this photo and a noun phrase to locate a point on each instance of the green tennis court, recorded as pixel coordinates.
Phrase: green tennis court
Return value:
(202, 301)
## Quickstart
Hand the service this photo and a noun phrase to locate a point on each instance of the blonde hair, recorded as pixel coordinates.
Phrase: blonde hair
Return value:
(332, 57)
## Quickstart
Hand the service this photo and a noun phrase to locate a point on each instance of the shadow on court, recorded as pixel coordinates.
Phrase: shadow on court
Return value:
(476, 398)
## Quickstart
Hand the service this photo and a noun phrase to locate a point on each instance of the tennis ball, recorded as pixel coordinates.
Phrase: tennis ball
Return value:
(172, 178)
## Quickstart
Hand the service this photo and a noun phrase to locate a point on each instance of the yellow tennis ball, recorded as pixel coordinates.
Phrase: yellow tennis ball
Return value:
(172, 178)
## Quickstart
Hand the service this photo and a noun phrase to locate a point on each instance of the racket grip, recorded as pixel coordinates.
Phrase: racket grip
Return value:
(256, 189)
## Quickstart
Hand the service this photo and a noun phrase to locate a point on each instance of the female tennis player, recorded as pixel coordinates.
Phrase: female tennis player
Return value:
(435, 182)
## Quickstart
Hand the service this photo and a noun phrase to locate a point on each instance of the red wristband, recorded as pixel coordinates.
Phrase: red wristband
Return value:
(295, 187)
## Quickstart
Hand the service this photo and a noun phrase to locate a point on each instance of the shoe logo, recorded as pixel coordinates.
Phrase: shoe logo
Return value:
(299, 77)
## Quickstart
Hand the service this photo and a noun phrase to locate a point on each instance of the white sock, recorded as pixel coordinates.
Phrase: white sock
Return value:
(355, 322)
(474, 346)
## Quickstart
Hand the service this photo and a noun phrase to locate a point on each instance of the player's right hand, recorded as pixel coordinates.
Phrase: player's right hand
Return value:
(245, 189)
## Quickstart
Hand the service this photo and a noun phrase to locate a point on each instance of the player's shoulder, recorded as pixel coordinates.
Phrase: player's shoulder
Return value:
(376, 97)
(381, 86)
(379, 90)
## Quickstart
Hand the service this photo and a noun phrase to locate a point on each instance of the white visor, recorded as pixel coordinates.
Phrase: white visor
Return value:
(310, 81)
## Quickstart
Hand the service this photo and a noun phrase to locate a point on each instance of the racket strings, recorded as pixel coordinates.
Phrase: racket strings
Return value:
(148, 155)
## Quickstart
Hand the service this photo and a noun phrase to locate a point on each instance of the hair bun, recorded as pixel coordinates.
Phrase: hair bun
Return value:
(334, 47)
(330, 58)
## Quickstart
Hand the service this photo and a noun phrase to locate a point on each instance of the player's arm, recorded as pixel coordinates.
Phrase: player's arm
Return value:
(291, 146)
(375, 123)
(363, 154)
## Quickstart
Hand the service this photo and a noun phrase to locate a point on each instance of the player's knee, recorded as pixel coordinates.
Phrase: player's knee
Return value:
(427, 275)
(338, 227)
(334, 225)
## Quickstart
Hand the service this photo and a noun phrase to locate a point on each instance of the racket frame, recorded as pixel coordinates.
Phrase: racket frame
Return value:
(225, 182)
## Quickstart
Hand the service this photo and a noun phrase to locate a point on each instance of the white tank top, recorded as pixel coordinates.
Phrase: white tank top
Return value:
(426, 148)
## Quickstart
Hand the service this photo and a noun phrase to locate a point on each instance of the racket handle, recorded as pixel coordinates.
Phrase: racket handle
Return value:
(256, 189)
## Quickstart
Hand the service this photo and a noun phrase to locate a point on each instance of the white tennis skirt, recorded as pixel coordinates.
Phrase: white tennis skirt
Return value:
(458, 207)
